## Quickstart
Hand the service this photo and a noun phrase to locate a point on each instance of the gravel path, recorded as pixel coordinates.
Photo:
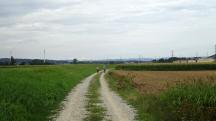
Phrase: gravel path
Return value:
(74, 106)
(117, 109)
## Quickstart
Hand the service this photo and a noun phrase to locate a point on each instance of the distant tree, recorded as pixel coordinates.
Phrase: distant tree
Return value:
(154, 61)
(75, 61)
(162, 60)
(172, 59)
(7, 62)
(40, 62)
(111, 62)
(196, 60)
(12, 61)
(23, 63)
(169, 60)
(3, 63)
(37, 62)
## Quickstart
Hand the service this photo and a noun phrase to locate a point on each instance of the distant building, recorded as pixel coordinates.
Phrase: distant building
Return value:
(205, 60)
(195, 60)
(185, 61)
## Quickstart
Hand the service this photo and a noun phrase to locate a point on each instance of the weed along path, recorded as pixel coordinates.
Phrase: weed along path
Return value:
(117, 109)
(74, 105)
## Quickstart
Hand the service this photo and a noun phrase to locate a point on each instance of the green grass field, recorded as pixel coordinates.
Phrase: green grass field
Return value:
(32, 93)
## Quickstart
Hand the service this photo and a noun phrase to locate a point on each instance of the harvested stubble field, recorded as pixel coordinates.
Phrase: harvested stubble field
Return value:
(168, 95)
(167, 67)
(154, 82)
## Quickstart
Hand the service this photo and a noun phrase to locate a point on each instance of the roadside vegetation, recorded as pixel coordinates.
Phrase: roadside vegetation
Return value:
(167, 67)
(95, 108)
(191, 96)
(31, 93)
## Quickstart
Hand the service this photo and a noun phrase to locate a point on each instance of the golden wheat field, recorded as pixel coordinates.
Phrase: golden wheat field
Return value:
(154, 82)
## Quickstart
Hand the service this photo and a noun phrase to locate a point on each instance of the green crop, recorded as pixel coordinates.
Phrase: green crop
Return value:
(32, 93)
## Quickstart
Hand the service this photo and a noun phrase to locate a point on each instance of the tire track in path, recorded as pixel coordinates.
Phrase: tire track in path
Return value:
(117, 109)
(74, 105)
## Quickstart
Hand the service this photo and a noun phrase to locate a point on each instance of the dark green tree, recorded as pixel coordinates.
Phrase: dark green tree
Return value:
(12, 61)
(23, 63)
(37, 62)
(75, 61)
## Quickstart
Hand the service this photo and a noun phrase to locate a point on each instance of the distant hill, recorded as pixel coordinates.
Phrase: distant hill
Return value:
(119, 61)
(28, 61)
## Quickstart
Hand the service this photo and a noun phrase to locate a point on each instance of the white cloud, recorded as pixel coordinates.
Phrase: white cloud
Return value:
(101, 28)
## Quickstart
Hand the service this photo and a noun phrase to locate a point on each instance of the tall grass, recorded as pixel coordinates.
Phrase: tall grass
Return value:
(187, 102)
(31, 93)
(167, 67)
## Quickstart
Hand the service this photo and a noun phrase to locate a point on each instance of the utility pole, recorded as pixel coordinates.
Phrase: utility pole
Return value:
(197, 58)
(139, 58)
(44, 56)
(172, 53)
(120, 61)
(11, 54)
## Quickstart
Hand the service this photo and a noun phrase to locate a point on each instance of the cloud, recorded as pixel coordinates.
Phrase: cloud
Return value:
(19, 7)
(67, 25)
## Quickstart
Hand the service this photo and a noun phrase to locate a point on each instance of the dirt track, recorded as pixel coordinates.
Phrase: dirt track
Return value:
(74, 106)
(116, 107)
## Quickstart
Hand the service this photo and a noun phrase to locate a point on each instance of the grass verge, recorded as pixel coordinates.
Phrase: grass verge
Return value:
(31, 93)
(96, 111)
(192, 102)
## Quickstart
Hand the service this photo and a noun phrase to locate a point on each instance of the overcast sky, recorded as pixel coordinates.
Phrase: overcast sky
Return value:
(100, 29)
